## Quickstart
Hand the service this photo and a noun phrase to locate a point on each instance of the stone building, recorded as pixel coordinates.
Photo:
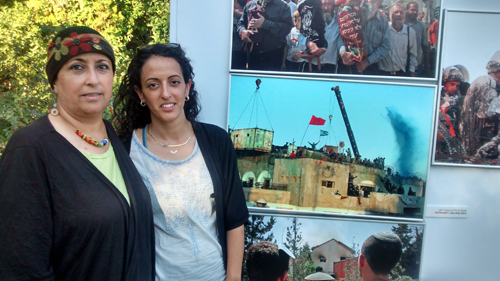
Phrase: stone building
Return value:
(314, 181)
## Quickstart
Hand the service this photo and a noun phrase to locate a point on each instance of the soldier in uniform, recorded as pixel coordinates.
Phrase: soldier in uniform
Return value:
(477, 126)
(491, 149)
(450, 108)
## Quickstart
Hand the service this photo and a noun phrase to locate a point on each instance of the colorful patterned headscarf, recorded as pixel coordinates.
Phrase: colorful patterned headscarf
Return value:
(73, 41)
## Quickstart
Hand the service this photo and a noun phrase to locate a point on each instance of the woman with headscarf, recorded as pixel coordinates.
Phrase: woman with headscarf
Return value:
(72, 204)
(189, 168)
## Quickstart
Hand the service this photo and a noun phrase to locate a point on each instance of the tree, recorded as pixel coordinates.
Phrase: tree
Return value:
(258, 230)
(303, 264)
(356, 249)
(28, 26)
(293, 241)
(411, 239)
(294, 237)
(351, 268)
(305, 261)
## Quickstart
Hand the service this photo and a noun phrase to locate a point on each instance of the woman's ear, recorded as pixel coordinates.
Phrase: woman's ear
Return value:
(139, 93)
(188, 87)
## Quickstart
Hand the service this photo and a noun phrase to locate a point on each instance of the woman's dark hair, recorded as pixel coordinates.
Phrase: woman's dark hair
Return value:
(130, 115)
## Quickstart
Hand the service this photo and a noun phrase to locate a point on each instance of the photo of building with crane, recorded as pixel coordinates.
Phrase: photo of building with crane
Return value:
(329, 174)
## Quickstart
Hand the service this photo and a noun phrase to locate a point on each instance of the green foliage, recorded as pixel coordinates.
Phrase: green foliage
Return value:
(294, 237)
(257, 230)
(27, 28)
(409, 265)
(303, 264)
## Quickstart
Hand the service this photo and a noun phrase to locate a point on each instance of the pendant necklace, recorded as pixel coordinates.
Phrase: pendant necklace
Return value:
(55, 112)
(169, 145)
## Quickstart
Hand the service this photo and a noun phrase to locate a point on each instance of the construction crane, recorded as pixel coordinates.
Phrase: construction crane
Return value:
(346, 121)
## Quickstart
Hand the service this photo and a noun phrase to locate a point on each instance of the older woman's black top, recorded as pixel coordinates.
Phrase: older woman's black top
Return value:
(62, 219)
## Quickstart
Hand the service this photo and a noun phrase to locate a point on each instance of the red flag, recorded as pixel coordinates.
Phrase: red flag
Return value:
(317, 121)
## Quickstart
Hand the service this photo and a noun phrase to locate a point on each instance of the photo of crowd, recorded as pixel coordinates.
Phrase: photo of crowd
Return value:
(350, 37)
(469, 106)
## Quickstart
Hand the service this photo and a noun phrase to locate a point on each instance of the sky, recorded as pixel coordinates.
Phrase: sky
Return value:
(476, 49)
(286, 105)
(317, 231)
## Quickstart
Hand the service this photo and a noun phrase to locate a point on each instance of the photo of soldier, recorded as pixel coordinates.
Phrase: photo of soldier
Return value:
(450, 107)
(468, 115)
(480, 114)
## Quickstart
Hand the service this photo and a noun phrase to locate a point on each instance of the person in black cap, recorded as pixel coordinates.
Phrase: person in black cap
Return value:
(379, 255)
(73, 206)
(267, 262)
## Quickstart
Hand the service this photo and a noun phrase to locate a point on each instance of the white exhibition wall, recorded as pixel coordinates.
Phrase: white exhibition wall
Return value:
(454, 248)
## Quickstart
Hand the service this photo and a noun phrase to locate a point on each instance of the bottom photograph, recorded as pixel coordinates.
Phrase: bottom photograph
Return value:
(300, 249)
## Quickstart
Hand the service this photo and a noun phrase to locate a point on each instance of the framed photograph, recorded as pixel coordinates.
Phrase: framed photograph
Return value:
(333, 246)
(307, 145)
(336, 38)
(466, 129)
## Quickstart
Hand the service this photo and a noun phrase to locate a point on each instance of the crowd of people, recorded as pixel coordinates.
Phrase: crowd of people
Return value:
(344, 157)
(328, 36)
(469, 114)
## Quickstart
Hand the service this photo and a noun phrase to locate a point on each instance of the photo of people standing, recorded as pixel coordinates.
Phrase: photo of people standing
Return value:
(305, 249)
(351, 37)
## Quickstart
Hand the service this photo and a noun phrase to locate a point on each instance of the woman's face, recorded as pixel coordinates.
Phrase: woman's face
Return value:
(163, 89)
(84, 84)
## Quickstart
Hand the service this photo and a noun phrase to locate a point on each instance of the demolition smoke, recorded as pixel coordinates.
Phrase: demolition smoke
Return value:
(405, 138)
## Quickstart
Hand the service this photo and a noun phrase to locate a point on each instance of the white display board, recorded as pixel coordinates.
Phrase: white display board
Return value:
(463, 248)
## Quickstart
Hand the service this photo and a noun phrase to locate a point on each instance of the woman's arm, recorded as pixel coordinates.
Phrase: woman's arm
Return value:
(235, 248)
(25, 216)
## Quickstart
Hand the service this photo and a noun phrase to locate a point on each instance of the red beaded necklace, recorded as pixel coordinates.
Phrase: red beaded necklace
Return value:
(55, 112)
